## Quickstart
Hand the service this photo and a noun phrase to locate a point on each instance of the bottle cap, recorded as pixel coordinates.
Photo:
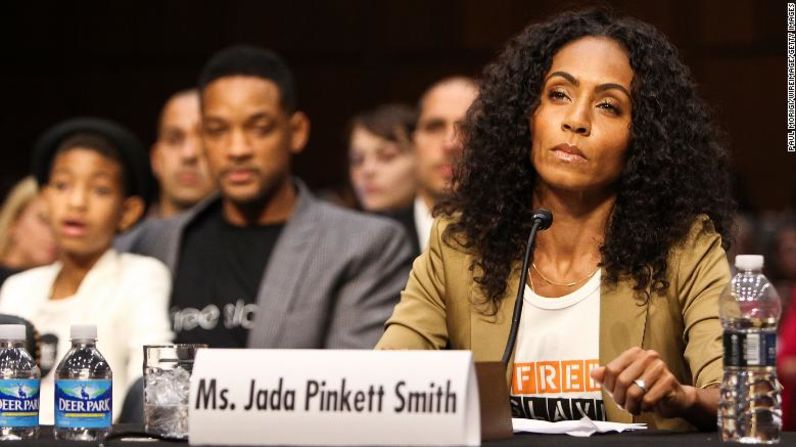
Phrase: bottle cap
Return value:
(12, 331)
(83, 332)
(749, 262)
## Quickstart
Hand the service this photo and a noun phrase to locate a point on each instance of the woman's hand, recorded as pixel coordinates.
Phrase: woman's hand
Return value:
(640, 381)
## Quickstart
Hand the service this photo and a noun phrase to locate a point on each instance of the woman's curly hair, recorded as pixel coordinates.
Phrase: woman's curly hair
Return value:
(675, 167)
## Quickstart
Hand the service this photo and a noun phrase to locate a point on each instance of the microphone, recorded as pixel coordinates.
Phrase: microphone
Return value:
(542, 219)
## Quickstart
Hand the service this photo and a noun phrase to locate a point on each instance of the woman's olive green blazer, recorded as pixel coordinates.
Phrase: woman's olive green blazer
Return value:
(442, 307)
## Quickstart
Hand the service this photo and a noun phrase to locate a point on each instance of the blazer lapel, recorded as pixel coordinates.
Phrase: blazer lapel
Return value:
(489, 334)
(283, 272)
(623, 319)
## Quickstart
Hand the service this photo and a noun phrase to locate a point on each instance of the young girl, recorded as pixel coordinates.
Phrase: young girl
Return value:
(94, 184)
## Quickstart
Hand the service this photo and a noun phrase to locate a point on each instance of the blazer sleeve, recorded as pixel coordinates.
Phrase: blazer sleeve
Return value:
(419, 319)
(702, 274)
(371, 288)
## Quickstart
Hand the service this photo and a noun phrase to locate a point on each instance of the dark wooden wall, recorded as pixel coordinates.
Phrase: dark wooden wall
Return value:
(123, 59)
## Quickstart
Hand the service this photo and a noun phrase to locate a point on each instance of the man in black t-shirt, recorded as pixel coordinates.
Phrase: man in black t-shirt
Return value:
(220, 312)
(265, 264)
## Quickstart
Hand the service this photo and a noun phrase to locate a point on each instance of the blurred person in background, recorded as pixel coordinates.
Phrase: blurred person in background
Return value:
(265, 264)
(782, 268)
(382, 166)
(744, 238)
(177, 157)
(781, 257)
(786, 364)
(26, 239)
(437, 145)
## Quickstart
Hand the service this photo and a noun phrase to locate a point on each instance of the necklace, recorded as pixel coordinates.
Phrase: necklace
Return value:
(563, 284)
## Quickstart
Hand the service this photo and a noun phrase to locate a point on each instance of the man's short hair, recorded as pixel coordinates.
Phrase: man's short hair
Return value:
(453, 79)
(244, 60)
(185, 92)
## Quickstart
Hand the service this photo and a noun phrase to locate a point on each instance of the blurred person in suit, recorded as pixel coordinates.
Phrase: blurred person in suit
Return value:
(264, 263)
(26, 239)
(437, 145)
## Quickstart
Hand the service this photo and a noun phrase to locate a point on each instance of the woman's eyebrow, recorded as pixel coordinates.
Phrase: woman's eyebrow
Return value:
(613, 86)
(600, 88)
(565, 75)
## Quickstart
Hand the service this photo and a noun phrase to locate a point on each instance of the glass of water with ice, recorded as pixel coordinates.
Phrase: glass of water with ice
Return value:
(167, 383)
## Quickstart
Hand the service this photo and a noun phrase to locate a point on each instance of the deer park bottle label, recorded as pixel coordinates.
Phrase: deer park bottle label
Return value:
(19, 402)
(83, 403)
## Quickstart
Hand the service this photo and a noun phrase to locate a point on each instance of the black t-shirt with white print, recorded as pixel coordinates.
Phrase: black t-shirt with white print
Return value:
(220, 267)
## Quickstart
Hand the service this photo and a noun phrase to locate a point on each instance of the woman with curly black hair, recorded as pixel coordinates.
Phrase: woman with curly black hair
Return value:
(596, 119)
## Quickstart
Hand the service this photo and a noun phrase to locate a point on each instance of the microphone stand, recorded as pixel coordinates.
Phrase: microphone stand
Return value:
(542, 219)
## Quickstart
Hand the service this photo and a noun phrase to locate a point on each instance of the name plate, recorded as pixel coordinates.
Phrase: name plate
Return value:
(333, 397)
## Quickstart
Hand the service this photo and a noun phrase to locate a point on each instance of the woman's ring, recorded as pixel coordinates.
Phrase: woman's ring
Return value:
(640, 383)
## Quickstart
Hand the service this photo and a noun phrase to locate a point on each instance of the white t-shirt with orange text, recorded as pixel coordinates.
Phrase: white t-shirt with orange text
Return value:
(557, 346)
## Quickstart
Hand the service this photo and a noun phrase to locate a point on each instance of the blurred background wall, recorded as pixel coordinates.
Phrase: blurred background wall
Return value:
(123, 59)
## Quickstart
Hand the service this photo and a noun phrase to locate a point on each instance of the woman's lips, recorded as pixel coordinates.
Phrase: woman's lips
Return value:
(569, 153)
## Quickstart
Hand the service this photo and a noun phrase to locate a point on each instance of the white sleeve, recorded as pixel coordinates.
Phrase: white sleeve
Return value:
(149, 321)
(4, 297)
(13, 296)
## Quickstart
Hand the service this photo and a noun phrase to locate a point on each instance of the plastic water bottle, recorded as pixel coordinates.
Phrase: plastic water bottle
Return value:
(83, 390)
(19, 386)
(749, 409)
